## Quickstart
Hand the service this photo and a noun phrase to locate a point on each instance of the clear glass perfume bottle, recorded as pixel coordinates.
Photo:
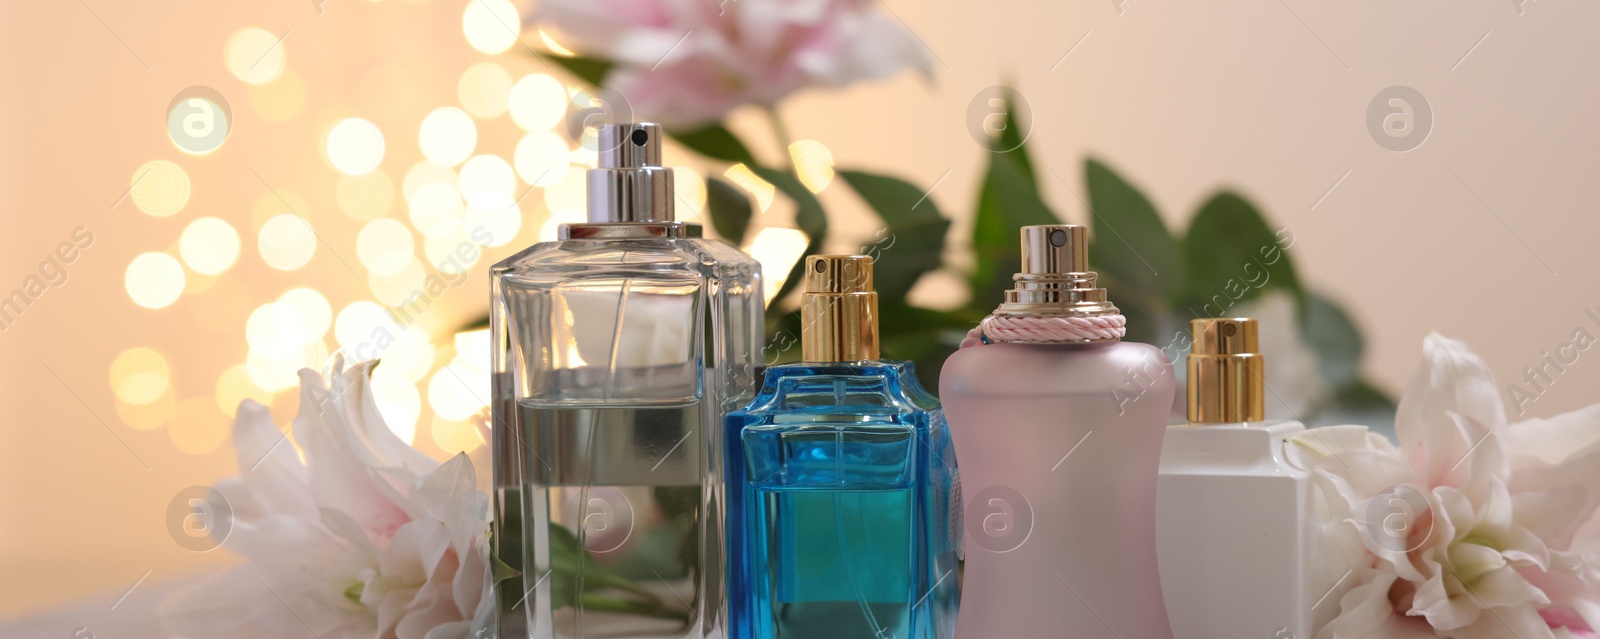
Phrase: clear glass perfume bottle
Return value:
(841, 484)
(1231, 513)
(1059, 430)
(616, 351)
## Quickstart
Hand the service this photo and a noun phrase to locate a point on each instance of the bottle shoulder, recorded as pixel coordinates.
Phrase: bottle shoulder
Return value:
(564, 259)
(883, 387)
(1022, 369)
(1245, 448)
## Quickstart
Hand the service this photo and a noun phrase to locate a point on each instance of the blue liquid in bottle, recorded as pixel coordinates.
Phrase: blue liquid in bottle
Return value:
(841, 512)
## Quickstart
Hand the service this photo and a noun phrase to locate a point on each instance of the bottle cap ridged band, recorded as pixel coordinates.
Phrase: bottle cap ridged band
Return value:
(1055, 294)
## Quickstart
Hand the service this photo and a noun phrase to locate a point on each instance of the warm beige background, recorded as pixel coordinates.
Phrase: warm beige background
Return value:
(1183, 97)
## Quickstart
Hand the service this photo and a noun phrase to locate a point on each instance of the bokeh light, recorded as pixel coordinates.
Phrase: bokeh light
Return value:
(452, 255)
(501, 223)
(198, 120)
(537, 102)
(436, 209)
(763, 190)
(813, 163)
(365, 197)
(447, 136)
(472, 348)
(312, 309)
(148, 416)
(255, 55)
(197, 426)
(398, 287)
(139, 375)
(457, 391)
(398, 402)
(274, 371)
(363, 329)
(487, 181)
(541, 158)
(689, 189)
(455, 436)
(286, 242)
(555, 47)
(777, 249)
(385, 246)
(209, 245)
(355, 146)
(154, 280)
(234, 386)
(411, 355)
(569, 196)
(280, 99)
(159, 188)
(274, 202)
(274, 328)
(491, 26)
(484, 89)
(425, 173)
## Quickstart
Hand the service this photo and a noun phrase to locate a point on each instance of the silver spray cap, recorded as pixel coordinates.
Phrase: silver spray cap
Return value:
(630, 185)
(1055, 278)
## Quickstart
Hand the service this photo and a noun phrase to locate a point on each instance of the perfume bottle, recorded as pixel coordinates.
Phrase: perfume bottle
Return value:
(1231, 515)
(616, 350)
(840, 482)
(1059, 425)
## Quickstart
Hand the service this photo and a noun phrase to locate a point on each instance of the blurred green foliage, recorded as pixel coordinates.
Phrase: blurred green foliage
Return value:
(1160, 279)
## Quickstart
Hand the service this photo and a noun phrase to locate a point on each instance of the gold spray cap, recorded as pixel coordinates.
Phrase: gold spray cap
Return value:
(839, 310)
(1225, 372)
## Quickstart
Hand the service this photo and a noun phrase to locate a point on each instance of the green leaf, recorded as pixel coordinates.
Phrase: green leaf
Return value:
(1231, 255)
(730, 210)
(1130, 243)
(1335, 338)
(1006, 202)
(715, 141)
(913, 238)
(571, 563)
(591, 70)
(808, 215)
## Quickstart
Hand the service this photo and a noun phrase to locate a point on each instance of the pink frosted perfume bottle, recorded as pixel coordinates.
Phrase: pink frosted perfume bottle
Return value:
(1059, 425)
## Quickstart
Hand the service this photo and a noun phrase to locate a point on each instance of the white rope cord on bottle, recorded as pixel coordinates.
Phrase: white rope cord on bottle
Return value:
(1001, 328)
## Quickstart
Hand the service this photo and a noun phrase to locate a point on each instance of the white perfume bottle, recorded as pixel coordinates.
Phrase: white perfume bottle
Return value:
(1230, 510)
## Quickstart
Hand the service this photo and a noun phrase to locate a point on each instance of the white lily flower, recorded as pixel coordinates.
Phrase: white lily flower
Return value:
(1471, 527)
(366, 537)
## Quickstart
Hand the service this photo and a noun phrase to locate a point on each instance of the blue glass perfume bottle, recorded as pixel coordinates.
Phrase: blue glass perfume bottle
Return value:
(842, 489)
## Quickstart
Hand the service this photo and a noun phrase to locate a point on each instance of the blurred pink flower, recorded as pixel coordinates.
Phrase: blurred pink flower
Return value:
(366, 537)
(689, 62)
(1470, 528)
